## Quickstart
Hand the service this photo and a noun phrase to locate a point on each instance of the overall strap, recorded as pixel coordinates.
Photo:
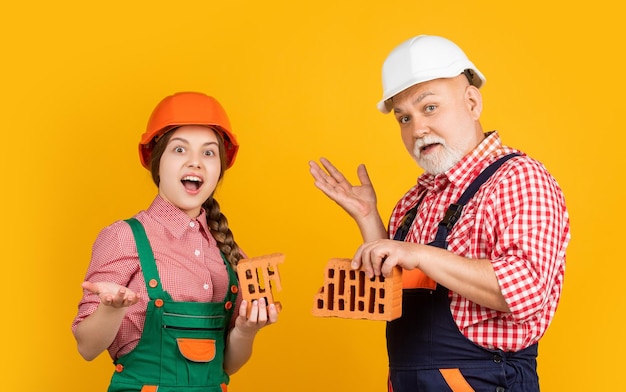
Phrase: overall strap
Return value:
(407, 221)
(231, 294)
(455, 209)
(147, 261)
(233, 282)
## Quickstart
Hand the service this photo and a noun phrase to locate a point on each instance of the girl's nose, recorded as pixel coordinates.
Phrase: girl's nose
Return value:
(194, 163)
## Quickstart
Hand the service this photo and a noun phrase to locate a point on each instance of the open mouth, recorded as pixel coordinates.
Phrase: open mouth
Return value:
(427, 147)
(191, 183)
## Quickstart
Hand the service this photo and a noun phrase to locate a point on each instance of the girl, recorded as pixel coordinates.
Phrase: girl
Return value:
(161, 289)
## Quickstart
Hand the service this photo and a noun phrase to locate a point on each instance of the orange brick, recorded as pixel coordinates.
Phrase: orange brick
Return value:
(349, 293)
(258, 277)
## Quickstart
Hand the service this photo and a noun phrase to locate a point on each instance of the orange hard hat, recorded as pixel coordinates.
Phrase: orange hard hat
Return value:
(187, 108)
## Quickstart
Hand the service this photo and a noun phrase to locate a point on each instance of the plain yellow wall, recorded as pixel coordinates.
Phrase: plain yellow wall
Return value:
(299, 80)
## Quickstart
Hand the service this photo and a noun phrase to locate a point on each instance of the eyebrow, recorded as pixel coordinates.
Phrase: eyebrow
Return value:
(418, 99)
(423, 95)
(183, 140)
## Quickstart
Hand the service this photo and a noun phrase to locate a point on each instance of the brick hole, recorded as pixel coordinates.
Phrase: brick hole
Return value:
(341, 304)
(352, 298)
(320, 303)
(361, 306)
(331, 296)
(361, 284)
(381, 308)
(248, 274)
(342, 280)
(372, 302)
(381, 293)
(261, 282)
(331, 273)
(251, 288)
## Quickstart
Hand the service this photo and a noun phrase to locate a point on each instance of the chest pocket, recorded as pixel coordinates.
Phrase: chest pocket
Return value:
(197, 337)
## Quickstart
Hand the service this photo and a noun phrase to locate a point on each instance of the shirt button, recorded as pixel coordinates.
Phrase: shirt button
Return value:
(192, 224)
(206, 286)
(497, 358)
(500, 389)
(196, 252)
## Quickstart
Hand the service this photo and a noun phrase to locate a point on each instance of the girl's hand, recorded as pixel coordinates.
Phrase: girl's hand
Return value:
(112, 294)
(261, 315)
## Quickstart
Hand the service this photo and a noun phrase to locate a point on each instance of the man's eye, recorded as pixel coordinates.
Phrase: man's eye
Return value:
(430, 108)
(403, 119)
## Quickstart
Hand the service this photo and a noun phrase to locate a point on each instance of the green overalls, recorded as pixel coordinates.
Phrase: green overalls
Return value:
(182, 344)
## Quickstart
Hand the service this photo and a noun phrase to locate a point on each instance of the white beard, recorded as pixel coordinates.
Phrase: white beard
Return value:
(436, 162)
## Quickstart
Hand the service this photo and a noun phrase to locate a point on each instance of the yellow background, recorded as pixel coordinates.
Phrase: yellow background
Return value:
(299, 80)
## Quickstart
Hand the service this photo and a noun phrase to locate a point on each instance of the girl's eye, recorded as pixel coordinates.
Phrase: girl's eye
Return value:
(209, 153)
(179, 149)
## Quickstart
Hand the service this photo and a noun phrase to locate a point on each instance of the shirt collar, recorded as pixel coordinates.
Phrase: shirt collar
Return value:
(173, 219)
(467, 168)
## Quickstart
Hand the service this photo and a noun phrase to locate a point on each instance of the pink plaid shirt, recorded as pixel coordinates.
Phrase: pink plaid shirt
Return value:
(190, 266)
(519, 221)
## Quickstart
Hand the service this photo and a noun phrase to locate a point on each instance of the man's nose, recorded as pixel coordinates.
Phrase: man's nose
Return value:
(419, 128)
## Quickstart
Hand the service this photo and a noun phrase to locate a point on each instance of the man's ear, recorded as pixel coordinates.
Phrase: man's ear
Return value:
(474, 101)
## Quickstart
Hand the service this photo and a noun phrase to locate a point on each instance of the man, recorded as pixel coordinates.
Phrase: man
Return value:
(481, 237)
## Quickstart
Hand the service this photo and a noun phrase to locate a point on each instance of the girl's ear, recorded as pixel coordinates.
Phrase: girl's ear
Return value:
(474, 100)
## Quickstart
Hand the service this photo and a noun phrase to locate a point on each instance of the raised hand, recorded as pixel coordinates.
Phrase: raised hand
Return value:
(358, 200)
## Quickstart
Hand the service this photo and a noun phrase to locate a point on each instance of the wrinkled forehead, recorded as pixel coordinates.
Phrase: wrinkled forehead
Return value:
(433, 88)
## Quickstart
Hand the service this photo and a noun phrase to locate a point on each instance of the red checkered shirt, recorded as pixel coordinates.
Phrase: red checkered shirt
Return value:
(189, 263)
(519, 221)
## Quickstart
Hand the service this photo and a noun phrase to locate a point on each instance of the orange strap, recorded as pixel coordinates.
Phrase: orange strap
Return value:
(455, 380)
(416, 279)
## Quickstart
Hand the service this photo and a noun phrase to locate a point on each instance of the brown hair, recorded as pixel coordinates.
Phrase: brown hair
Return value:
(216, 221)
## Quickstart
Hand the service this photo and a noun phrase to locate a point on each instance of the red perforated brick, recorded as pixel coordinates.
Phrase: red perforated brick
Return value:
(349, 293)
(258, 277)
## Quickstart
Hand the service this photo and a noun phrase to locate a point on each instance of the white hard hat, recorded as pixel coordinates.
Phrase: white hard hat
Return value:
(424, 58)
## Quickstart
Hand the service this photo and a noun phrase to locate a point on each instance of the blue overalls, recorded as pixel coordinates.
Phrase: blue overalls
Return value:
(182, 343)
(427, 352)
